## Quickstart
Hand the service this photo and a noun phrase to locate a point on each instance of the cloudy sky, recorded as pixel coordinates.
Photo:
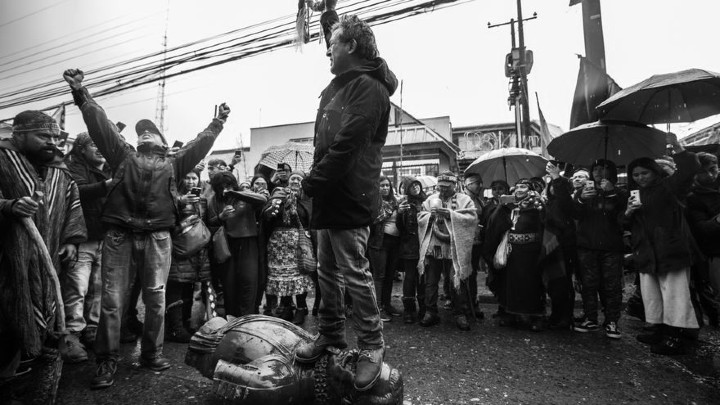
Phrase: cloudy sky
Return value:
(449, 61)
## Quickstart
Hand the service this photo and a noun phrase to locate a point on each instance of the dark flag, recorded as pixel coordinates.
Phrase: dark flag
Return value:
(593, 87)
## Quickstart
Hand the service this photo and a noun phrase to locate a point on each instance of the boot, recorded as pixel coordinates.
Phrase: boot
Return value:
(409, 315)
(286, 313)
(270, 305)
(300, 315)
(654, 337)
(174, 329)
(671, 343)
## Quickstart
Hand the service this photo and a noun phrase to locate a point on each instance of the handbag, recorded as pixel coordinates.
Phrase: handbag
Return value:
(503, 251)
(192, 237)
(221, 249)
(306, 260)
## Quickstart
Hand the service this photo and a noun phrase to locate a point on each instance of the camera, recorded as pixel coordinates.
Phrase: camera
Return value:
(196, 191)
(589, 184)
(635, 194)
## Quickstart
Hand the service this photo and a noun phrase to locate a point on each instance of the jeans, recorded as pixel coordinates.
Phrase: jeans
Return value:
(413, 283)
(601, 274)
(459, 296)
(151, 252)
(80, 291)
(343, 267)
(383, 263)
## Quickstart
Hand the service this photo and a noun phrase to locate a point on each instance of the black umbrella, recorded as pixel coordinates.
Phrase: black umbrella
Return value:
(684, 96)
(618, 141)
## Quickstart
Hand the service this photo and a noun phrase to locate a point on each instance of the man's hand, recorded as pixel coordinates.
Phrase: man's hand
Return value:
(67, 253)
(25, 207)
(74, 77)
(588, 193)
(223, 112)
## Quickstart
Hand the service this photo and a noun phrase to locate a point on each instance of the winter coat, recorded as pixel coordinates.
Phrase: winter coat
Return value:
(196, 267)
(558, 212)
(350, 129)
(661, 240)
(599, 220)
(91, 183)
(407, 223)
(142, 194)
(703, 206)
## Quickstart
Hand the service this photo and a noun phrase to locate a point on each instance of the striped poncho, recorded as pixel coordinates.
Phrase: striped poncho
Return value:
(27, 295)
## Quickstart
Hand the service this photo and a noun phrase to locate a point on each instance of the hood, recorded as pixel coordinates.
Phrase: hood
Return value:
(376, 68)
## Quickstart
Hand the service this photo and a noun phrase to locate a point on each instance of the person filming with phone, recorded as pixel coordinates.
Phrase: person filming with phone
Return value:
(598, 207)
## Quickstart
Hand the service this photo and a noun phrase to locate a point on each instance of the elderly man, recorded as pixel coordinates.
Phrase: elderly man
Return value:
(139, 213)
(350, 127)
(34, 184)
(446, 225)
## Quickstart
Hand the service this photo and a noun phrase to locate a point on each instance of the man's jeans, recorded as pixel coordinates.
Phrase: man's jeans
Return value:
(81, 294)
(602, 274)
(345, 268)
(151, 252)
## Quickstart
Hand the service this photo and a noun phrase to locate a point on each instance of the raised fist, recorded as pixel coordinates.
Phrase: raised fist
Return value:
(223, 112)
(74, 77)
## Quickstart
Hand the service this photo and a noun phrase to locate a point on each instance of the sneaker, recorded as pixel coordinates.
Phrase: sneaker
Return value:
(586, 325)
(611, 330)
(104, 375)
(74, 351)
(368, 370)
(384, 316)
(155, 364)
(392, 311)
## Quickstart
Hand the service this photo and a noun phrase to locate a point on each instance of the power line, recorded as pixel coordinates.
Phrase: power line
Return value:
(263, 41)
(3, 25)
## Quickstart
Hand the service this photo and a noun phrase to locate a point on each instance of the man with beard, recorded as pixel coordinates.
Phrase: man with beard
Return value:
(82, 280)
(350, 130)
(447, 224)
(34, 184)
(139, 213)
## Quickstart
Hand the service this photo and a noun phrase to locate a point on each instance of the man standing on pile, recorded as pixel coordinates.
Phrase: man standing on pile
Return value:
(139, 213)
(350, 130)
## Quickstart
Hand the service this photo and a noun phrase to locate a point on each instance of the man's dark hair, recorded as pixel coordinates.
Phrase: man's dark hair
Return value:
(216, 162)
(707, 159)
(351, 27)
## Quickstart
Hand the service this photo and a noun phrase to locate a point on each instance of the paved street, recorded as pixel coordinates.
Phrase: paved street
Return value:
(488, 365)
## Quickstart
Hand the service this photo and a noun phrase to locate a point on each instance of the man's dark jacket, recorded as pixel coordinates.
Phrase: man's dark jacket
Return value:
(350, 131)
(91, 184)
(703, 205)
(142, 194)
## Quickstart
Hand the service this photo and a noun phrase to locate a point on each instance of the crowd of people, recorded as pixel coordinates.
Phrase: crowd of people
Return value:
(121, 221)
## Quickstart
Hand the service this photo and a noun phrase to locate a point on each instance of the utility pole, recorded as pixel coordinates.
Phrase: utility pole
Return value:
(517, 65)
(524, 70)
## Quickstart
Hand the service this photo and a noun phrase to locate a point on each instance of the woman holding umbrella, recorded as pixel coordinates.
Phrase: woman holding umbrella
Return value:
(660, 241)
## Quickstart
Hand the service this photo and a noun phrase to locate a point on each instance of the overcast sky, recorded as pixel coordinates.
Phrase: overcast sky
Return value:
(450, 62)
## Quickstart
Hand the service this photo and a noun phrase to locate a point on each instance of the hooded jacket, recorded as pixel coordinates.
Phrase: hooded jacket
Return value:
(350, 130)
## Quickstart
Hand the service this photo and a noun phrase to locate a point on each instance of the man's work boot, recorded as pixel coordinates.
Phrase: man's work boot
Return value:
(155, 363)
(368, 368)
(104, 375)
(311, 352)
(74, 350)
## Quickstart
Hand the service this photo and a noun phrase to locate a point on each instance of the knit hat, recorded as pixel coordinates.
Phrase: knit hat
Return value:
(447, 177)
(145, 125)
(28, 121)
(297, 173)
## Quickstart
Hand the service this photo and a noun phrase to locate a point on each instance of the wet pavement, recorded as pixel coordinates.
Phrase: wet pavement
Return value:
(487, 365)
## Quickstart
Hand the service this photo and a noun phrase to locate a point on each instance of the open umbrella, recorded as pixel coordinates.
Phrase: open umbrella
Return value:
(684, 96)
(509, 164)
(298, 155)
(620, 142)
